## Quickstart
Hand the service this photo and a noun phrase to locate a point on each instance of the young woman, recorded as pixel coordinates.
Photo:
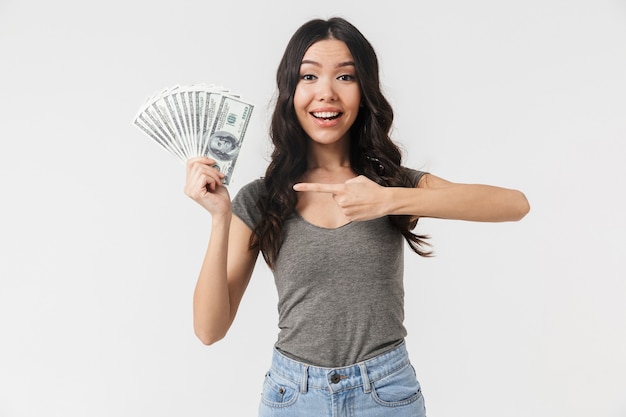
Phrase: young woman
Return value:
(330, 218)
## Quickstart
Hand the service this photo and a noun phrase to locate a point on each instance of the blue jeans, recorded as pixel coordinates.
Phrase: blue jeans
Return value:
(383, 386)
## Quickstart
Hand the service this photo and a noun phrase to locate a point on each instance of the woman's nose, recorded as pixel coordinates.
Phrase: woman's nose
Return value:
(326, 91)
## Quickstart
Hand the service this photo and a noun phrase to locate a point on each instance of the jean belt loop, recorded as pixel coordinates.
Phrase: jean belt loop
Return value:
(304, 384)
(366, 380)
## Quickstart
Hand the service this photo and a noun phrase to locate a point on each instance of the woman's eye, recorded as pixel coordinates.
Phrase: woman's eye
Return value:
(346, 77)
(307, 77)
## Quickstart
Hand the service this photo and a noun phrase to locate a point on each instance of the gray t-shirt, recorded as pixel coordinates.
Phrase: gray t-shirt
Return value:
(340, 291)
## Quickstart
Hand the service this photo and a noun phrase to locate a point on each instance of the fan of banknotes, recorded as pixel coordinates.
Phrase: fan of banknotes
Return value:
(197, 120)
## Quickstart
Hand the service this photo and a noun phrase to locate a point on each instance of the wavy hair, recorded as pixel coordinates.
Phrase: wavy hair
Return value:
(372, 152)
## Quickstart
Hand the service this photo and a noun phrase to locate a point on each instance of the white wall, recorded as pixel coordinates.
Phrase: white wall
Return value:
(100, 247)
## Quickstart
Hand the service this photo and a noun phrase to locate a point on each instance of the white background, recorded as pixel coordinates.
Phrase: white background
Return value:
(100, 247)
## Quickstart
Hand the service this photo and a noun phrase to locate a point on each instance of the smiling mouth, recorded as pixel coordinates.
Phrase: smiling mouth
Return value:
(326, 115)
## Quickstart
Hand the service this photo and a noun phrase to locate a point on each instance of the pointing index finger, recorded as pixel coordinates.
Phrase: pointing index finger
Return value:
(317, 187)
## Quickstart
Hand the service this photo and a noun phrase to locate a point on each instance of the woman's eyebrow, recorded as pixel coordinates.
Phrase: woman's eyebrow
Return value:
(345, 64)
(311, 62)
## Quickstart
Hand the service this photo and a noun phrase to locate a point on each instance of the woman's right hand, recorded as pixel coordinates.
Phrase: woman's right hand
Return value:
(204, 185)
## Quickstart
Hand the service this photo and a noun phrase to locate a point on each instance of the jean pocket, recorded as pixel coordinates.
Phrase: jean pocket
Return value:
(279, 391)
(397, 389)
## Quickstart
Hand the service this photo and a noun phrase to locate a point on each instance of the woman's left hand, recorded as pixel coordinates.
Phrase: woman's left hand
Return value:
(359, 198)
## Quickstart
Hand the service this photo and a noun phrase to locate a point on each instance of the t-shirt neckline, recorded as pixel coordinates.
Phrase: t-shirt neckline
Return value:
(317, 227)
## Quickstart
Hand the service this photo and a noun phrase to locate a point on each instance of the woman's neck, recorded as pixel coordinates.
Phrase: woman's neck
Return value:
(328, 157)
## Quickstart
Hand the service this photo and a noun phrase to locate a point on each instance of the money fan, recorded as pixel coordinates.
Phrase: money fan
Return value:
(197, 120)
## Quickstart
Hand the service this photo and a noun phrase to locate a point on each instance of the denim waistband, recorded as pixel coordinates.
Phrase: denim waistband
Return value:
(342, 378)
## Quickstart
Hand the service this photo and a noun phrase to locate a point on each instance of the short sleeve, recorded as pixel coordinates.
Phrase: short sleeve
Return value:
(413, 176)
(245, 203)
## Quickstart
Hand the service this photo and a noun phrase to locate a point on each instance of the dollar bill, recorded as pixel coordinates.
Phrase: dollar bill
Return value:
(224, 140)
(151, 132)
(197, 120)
(147, 125)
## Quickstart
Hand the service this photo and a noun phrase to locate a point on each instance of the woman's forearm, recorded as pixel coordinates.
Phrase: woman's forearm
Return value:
(211, 299)
(473, 202)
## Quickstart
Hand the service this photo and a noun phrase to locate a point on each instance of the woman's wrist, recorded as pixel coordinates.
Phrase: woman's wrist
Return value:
(402, 201)
(222, 218)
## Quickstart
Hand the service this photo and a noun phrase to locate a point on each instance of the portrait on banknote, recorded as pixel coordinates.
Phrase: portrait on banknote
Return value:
(224, 146)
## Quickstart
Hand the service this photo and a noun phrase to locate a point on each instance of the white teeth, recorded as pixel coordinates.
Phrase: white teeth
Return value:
(325, 114)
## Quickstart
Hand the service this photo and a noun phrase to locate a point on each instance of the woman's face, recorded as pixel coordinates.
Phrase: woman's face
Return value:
(327, 95)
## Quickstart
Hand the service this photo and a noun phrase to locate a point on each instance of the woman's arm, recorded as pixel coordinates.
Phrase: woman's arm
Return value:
(438, 198)
(228, 262)
(223, 278)
(362, 199)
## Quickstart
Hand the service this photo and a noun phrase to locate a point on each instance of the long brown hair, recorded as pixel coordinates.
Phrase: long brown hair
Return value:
(372, 152)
